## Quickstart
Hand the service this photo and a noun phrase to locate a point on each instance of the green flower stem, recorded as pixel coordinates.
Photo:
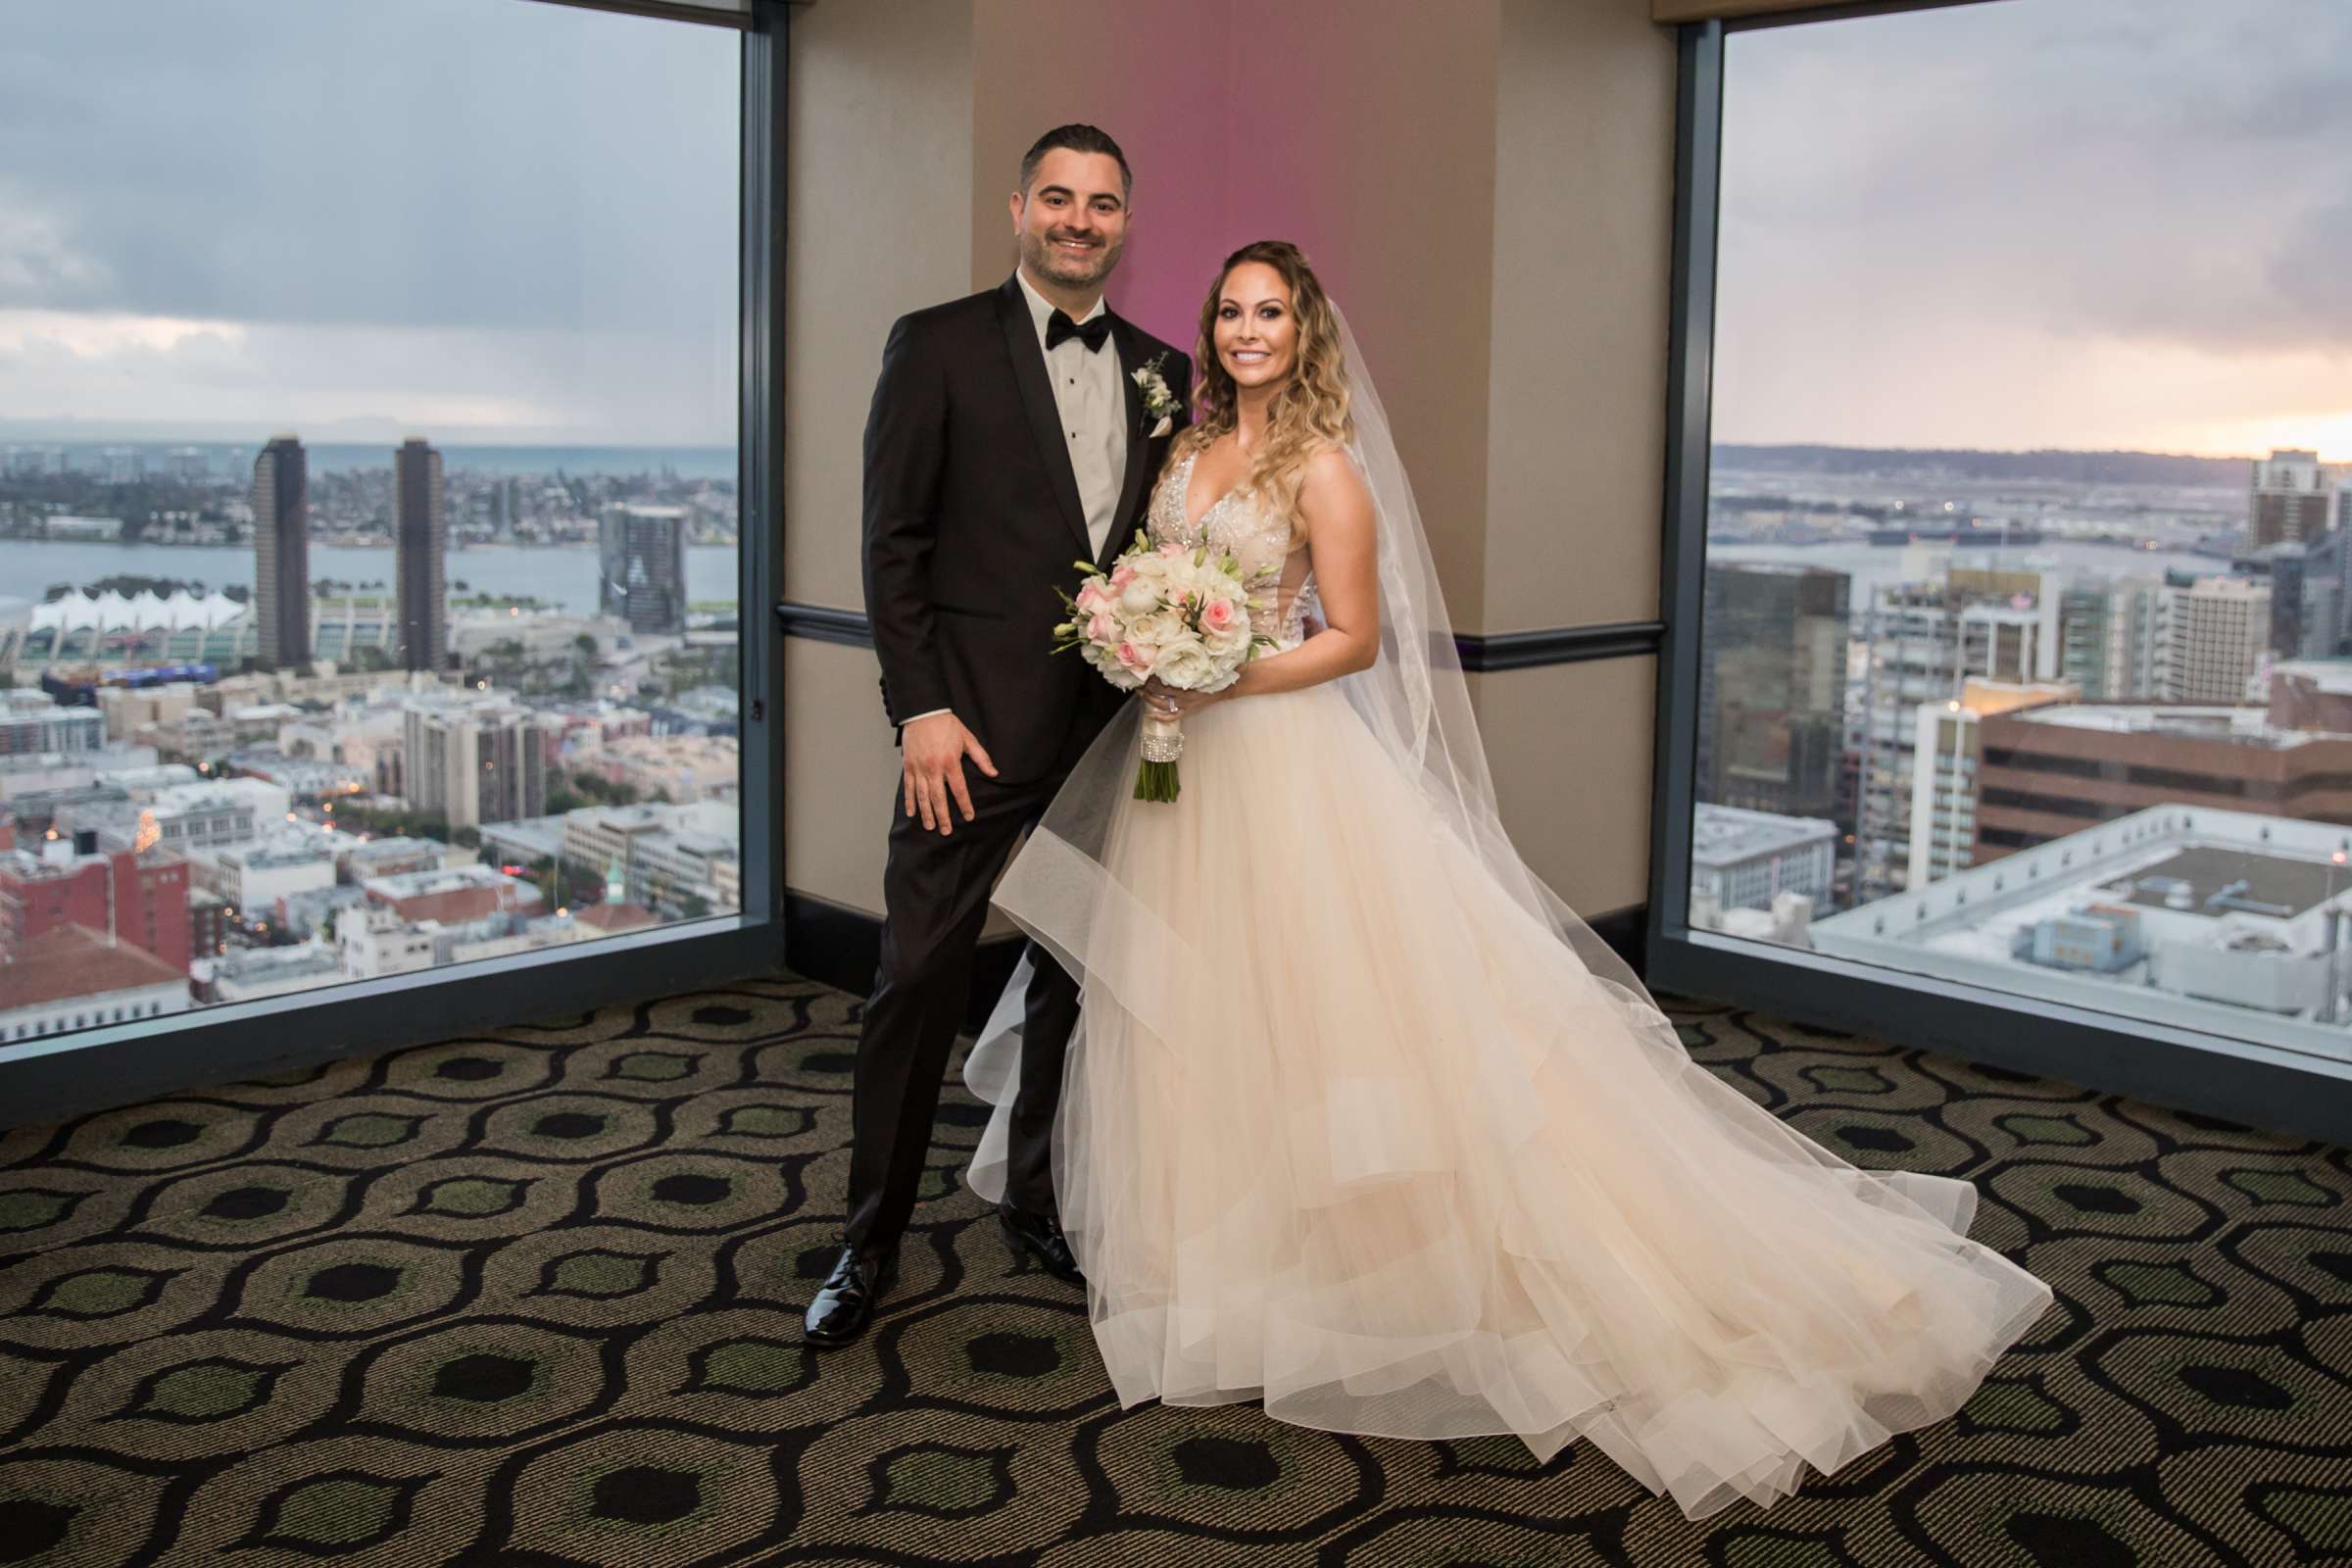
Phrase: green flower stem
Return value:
(1155, 781)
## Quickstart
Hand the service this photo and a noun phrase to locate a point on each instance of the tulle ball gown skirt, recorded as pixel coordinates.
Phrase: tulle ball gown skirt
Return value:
(1348, 1129)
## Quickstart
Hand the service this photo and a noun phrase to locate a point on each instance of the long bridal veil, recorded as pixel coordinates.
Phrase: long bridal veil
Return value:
(1416, 704)
(1361, 1120)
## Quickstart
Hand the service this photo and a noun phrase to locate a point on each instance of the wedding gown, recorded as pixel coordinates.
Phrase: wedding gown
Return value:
(1346, 1127)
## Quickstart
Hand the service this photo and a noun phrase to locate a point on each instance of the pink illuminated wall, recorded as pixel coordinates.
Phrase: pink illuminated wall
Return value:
(1361, 129)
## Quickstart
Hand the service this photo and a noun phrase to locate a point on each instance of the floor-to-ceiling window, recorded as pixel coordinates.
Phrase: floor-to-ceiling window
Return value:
(371, 525)
(2022, 603)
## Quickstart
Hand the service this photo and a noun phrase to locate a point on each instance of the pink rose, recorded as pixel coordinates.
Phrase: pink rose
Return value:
(1137, 659)
(1219, 616)
(1091, 597)
(1121, 577)
(1101, 628)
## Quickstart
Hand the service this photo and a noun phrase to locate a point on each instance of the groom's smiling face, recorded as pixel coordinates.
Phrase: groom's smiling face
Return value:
(1072, 220)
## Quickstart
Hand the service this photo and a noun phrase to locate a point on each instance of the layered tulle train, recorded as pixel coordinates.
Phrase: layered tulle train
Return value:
(1348, 1129)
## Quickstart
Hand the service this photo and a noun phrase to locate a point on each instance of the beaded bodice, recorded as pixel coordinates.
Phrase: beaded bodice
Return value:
(1276, 565)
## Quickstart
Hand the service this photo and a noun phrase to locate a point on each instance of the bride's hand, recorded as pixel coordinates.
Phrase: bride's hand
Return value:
(1167, 702)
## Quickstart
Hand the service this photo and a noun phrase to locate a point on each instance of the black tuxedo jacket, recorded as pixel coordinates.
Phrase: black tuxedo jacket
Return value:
(972, 520)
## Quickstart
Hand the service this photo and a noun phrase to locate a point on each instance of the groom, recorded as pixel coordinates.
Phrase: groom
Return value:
(1008, 440)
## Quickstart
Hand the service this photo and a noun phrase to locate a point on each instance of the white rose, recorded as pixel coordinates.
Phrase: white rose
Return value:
(1228, 644)
(1159, 628)
(1186, 666)
(1139, 596)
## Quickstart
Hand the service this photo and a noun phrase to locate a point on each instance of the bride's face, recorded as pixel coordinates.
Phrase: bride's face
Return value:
(1257, 333)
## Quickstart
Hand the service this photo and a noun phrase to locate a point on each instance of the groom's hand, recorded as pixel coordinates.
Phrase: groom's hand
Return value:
(931, 754)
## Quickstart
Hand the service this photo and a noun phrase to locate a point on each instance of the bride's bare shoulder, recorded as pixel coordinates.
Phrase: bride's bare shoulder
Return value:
(1331, 490)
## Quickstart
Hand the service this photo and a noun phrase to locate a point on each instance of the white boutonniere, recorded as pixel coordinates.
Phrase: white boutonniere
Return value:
(1158, 402)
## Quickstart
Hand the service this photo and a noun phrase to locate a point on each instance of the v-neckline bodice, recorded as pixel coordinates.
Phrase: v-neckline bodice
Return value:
(1193, 525)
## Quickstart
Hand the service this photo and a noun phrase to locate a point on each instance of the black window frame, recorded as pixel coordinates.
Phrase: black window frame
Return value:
(67, 1073)
(2240, 1078)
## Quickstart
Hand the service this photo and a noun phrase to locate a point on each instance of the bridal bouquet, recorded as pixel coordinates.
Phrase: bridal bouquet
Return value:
(1180, 614)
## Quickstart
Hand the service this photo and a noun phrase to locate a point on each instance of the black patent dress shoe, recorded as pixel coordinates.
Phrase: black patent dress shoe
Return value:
(844, 1304)
(1039, 1236)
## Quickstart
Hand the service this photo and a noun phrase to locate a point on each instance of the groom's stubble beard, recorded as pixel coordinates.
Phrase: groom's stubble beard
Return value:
(1074, 271)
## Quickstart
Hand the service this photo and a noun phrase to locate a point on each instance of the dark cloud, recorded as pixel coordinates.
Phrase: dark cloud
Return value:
(2169, 171)
(422, 163)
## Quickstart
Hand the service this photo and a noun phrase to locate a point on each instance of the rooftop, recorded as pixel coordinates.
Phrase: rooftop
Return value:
(447, 879)
(2235, 726)
(73, 961)
(1724, 834)
(2331, 675)
(2216, 879)
(613, 917)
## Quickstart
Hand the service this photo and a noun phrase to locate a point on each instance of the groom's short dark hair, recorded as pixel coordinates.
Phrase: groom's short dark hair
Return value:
(1077, 139)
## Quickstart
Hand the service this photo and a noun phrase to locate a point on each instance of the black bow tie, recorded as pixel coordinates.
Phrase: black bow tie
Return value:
(1059, 329)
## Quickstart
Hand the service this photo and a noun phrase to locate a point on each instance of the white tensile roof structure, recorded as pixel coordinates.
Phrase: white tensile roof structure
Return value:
(112, 611)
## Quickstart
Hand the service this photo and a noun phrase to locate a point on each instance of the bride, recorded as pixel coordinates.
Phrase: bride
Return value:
(1359, 1119)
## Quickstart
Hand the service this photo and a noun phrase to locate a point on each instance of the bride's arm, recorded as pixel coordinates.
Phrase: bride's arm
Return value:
(1335, 512)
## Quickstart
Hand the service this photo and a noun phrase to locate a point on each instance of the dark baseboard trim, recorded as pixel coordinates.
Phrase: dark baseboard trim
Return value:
(1486, 655)
(840, 947)
(1627, 932)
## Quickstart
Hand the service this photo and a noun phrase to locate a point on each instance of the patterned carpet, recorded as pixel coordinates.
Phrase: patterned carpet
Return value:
(534, 1298)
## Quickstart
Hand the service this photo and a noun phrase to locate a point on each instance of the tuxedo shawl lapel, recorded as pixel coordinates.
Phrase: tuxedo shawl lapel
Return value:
(1139, 442)
(1037, 401)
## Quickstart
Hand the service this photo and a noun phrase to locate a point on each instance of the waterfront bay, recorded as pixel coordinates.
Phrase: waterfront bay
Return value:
(564, 578)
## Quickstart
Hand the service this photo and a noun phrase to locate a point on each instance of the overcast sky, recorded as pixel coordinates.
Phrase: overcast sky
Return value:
(479, 219)
(2030, 223)
(2041, 222)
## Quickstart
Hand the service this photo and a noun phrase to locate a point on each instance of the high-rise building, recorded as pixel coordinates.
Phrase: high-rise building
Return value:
(642, 556)
(2209, 639)
(1771, 705)
(421, 543)
(1945, 763)
(2287, 566)
(1923, 639)
(506, 508)
(2085, 614)
(2290, 498)
(281, 551)
(476, 763)
(2327, 590)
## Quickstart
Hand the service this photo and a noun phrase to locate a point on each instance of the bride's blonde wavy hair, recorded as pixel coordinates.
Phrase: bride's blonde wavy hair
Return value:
(1310, 411)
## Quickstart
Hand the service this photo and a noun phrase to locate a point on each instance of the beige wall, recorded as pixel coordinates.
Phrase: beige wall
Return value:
(880, 99)
(1569, 749)
(880, 104)
(1484, 185)
(1576, 429)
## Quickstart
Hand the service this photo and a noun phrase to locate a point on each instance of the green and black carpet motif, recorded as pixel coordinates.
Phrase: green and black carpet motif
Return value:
(533, 1299)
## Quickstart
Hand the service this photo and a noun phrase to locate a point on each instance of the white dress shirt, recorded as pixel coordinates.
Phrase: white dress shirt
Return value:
(1092, 405)
(1093, 409)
